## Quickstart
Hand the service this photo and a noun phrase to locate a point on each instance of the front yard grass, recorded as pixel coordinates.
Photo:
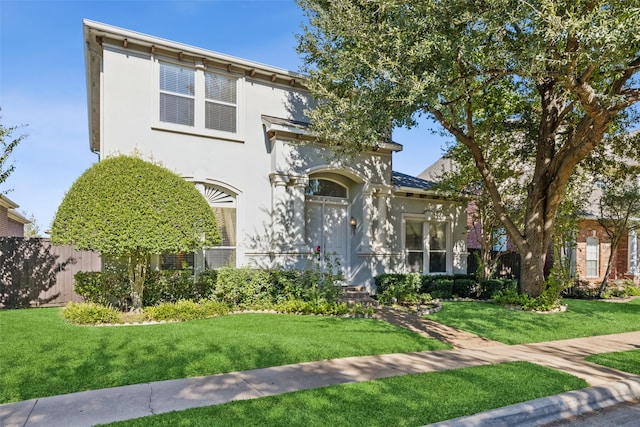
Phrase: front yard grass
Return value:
(582, 319)
(41, 355)
(627, 361)
(409, 400)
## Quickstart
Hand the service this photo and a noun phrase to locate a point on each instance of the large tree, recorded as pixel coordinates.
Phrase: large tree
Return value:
(538, 82)
(126, 207)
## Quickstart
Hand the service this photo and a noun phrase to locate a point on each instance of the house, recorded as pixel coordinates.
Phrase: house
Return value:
(593, 247)
(11, 222)
(238, 131)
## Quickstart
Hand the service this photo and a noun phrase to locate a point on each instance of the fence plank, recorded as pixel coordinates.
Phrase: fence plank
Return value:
(66, 261)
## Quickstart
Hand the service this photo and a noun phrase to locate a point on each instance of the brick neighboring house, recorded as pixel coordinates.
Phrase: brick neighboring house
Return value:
(11, 222)
(593, 248)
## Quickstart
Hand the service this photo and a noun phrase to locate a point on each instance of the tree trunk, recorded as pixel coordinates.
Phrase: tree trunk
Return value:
(614, 247)
(532, 272)
(137, 273)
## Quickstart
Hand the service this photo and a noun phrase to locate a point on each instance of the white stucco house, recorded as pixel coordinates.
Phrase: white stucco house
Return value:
(238, 131)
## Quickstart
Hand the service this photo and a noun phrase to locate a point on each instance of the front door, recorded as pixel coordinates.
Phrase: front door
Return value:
(327, 226)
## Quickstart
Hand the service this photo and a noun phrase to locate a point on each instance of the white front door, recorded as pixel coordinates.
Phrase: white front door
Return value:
(327, 228)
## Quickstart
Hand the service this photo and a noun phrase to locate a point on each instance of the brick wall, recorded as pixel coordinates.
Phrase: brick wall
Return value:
(4, 221)
(589, 228)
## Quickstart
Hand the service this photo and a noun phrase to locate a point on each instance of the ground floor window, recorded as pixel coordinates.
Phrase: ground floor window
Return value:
(425, 246)
(592, 257)
(181, 261)
(634, 268)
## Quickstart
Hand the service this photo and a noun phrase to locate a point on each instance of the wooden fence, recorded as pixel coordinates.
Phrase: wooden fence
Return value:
(33, 272)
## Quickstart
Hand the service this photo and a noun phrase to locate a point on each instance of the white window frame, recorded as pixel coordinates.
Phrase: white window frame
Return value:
(199, 128)
(587, 259)
(634, 256)
(426, 250)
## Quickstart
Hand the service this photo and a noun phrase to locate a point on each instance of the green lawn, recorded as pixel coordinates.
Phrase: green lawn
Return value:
(582, 319)
(41, 355)
(627, 361)
(410, 400)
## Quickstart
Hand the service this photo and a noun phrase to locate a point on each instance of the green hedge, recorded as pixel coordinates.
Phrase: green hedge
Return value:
(403, 286)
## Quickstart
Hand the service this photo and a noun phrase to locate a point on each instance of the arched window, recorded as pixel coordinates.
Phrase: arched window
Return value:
(592, 258)
(223, 204)
(324, 187)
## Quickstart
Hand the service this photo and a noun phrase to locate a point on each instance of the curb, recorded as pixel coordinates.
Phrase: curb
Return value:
(539, 412)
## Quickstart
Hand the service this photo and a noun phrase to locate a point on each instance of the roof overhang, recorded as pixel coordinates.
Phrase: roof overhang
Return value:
(294, 130)
(6, 202)
(14, 216)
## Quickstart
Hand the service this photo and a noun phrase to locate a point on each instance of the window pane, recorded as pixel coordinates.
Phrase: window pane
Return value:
(415, 261)
(324, 187)
(592, 269)
(227, 222)
(176, 261)
(437, 262)
(219, 257)
(174, 78)
(176, 109)
(220, 88)
(413, 235)
(220, 117)
(437, 236)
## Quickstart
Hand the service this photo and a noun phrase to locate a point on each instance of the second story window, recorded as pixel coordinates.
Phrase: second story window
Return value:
(220, 102)
(201, 99)
(177, 94)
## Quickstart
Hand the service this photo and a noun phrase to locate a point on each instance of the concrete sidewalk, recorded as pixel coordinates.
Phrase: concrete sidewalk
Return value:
(121, 403)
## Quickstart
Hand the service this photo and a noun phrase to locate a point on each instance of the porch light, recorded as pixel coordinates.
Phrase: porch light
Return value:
(353, 223)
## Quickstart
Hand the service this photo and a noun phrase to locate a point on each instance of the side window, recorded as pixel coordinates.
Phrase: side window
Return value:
(427, 255)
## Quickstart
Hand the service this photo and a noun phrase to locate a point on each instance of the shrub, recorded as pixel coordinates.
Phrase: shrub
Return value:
(104, 288)
(404, 288)
(511, 296)
(243, 287)
(442, 288)
(186, 310)
(89, 313)
(321, 307)
(169, 286)
(488, 288)
(205, 284)
(464, 287)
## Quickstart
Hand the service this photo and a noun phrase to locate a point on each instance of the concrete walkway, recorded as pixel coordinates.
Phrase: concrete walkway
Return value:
(121, 403)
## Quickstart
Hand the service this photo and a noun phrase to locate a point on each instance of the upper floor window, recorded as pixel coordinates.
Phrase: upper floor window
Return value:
(177, 94)
(220, 102)
(203, 100)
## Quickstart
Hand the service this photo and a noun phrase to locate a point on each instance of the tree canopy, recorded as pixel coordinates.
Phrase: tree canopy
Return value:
(530, 89)
(126, 207)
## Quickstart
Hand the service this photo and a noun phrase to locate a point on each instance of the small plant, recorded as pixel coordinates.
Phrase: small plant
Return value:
(89, 313)
(186, 310)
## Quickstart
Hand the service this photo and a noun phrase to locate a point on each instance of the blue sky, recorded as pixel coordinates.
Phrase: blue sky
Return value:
(42, 81)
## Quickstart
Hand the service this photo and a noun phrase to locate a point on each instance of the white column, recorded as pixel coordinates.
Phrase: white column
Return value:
(367, 215)
(381, 231)
(279, 211)
(297, 229)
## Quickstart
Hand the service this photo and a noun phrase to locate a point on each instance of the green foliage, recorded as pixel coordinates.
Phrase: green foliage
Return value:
(8, 143)
(464, 288)
(186, 310)
(321, 307)
(400, 288)
(488, 288)
(103, 287)
(243, 287)
(126, 207)
(89, 313)
(530, 89)
(321, 278)
(123, 205)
